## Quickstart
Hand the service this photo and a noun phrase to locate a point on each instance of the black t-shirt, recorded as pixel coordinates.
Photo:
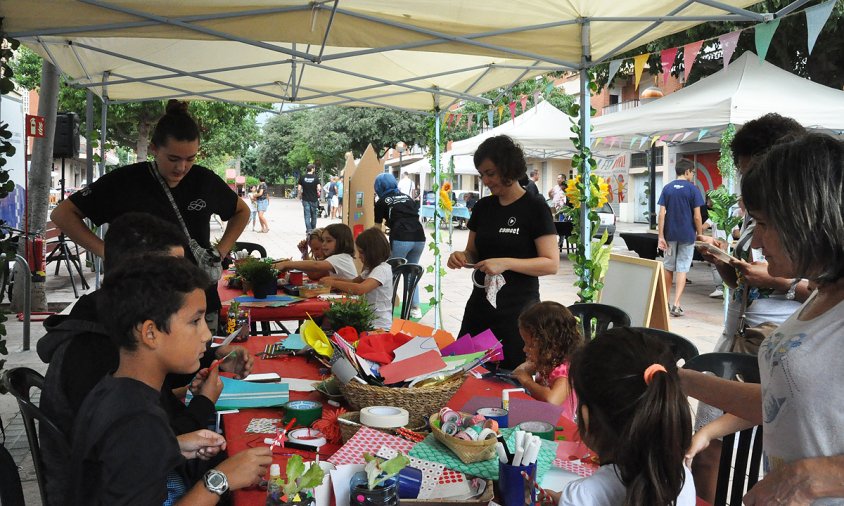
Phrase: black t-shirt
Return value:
(262, 189)
(332, 189)
(402, 215)
(309, 183)
(134, 188)
(123, 447)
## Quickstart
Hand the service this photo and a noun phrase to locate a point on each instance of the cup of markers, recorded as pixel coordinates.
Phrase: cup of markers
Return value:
(517, 468)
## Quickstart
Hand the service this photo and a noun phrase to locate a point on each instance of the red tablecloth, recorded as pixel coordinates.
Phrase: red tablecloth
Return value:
(298, 311)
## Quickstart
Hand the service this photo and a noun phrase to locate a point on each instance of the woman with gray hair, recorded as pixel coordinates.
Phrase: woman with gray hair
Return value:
(795, 193)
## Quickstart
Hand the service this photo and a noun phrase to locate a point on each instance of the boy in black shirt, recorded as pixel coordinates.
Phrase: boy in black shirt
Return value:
(124, 451)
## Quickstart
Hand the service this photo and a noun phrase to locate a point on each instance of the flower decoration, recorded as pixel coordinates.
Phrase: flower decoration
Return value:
(445, 197)
(599, 191)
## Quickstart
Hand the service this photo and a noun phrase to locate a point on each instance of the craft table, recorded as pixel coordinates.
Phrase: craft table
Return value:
(298, 311)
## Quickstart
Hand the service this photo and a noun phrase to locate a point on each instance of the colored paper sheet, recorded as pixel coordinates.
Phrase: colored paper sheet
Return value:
(415, 347)
(419, 365)
(466, 344)
(238, 394)
(294, 342)
(367, 440)
(269, 298)
(521, 410)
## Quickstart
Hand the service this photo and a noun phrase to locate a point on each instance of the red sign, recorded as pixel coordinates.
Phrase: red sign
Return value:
(35, 126)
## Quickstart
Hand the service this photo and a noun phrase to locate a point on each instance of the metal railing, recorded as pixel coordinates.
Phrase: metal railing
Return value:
(621, 106)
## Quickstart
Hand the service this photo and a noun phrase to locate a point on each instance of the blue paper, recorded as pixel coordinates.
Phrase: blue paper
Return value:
(293, 342)
(268, 298)
(239, 394)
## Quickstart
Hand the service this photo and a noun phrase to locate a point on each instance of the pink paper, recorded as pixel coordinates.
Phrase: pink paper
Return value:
(426, 363)
(521, 410)
(466, 344)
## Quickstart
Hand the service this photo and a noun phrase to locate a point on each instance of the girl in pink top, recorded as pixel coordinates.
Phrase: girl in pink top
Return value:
(550, 334)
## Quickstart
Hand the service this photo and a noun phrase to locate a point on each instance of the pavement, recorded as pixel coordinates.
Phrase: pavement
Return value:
(701, 324)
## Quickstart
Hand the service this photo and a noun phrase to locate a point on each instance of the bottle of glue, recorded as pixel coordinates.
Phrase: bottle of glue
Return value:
(505, 397)
(274, 486)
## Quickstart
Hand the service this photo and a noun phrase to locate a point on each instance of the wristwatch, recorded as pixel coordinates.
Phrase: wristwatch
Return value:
(216, 482)
(792, 290)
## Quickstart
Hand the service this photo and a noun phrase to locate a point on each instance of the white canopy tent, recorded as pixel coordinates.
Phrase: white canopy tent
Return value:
(543, 131)
(267, 50)
(745, 90)
(463, 165)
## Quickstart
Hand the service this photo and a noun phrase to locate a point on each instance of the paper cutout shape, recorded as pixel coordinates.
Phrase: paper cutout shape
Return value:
(426, 363)
(411, 328)
(415, 347)
(316, 338)
(466, 344)
(294, 342)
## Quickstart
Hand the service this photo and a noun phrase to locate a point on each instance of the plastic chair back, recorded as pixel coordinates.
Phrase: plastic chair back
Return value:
(681, 347)
(250, 247)
(741, 453)
(396, 261)
(11, 491)
(411, 273)
(605, 316)
(19, 382)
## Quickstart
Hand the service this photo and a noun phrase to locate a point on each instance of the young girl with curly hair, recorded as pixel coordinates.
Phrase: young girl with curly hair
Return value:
(550, 334)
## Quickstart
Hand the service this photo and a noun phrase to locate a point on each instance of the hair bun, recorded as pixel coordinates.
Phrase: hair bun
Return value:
(176, 107)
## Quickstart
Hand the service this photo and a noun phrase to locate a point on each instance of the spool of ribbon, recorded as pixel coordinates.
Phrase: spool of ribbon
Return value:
(449, 428)
(542, 429)
(305, 412)
(500, 415)
(449, 415)
(384, 417)
(309, 437)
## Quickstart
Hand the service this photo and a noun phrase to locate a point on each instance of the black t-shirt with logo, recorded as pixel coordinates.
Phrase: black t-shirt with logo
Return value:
(134, 188)
(402, 215)
(309, 183)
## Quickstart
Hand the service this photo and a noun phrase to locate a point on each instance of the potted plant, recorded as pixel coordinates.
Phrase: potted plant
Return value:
(298, 487)
(376, 485)
(350, 312)
(258, 274)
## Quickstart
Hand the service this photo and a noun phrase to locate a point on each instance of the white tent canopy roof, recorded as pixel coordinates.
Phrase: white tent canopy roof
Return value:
(256, 50)
(463, 164)
(543, 131)
(745, 90)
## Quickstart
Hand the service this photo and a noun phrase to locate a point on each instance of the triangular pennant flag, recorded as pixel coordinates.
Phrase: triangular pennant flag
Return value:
(469, 123)
(763, 34)
(653, 141)
(676, 136)
(549, 88)
(598, 141)
(500, 113)
(457, 121)
(690, 52)
(639, 66)
(667, 57)
(702, 134)
(816, 18)
(728, 45)
(536, 96)
(686, 136)
(512, 105)
(642, 142)
(489, 114)
(663, 137)
(632, 141)
(524, 103)
(449, 118)
(614, 66)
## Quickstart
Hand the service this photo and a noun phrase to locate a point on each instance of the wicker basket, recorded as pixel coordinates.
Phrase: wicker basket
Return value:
(347, 431)
(419, 402)
(307, 293)
(467, 451)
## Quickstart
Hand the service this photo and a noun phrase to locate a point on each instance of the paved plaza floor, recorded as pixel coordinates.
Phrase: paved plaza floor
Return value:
(702, 322)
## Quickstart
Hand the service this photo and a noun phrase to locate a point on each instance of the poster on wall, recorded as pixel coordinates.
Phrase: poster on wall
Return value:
(615, 173)
(707, 178)
(13, 207)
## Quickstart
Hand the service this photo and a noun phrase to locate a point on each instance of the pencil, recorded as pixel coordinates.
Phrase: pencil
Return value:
(542, 493)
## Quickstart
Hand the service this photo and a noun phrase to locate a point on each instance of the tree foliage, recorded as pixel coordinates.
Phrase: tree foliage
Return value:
(788, 48)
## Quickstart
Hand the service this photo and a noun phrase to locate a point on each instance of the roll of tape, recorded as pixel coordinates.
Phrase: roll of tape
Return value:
(309, 437)
(449, 415)
(542, 429)
(491, 424)
(449, 428)
(463, 435)
(500, 415)
(384, 417)
(478, 419)
(305, 412)
(486, 434)
(472, 433)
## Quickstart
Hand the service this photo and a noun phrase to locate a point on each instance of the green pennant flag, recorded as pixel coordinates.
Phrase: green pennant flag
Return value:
(763, 34)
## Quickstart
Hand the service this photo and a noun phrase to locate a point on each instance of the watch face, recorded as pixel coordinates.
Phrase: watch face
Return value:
(216, 480)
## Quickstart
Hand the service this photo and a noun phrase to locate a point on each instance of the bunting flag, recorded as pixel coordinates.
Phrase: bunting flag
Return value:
(489, 115)
(763, 34)
(667, 57)
(549, 88)
(663, 137)
(449, 118)
(816, 18)
(536, 95)
(638, 67)
(469, 123)
(642, 142)
(653, 141)
(702, 134)
(598, 141)
(729, 41)
(524, 103)
(690, 52)
(614, 66)
(632, 141)
(457, 120)
(686, 136)
(500, 113)
(676, 136)
(512, 105)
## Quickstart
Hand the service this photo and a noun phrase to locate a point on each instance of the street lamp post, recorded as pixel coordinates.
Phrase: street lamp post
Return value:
(401, 147)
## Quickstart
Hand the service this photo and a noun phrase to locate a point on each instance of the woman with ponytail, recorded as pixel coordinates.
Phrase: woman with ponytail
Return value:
(632, 412)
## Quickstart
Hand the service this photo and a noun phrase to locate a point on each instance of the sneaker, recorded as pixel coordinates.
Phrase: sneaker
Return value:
(717, 294)
(676, 311)
(415, 312)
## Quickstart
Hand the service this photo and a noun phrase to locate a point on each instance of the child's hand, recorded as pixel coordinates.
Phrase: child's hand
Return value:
(201, 444)
(525, 371)
(240, 364)
(700, 441)
(247, 467)
(209, 384)
(327, 281)
(303, 246)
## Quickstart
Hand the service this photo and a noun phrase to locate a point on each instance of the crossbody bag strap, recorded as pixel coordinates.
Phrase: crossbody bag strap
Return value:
(155, 174)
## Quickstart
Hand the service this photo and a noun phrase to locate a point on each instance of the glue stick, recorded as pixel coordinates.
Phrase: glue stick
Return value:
(505, 396)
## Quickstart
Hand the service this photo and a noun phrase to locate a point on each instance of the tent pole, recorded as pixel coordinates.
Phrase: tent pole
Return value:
(585, 142)
(436, 181)
(98, 262)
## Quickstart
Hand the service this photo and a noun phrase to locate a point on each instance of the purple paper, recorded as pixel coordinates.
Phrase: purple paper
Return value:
(467, 344)
(521, 410)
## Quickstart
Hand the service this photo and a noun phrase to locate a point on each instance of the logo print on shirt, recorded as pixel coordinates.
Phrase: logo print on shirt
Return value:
(509, 229)
(86, 192)
(197, 205)
(511, 221)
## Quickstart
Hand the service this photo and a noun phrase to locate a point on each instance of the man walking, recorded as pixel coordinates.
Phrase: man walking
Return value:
(679, 224)
(406, 185)
(309, 188)
(530, 184)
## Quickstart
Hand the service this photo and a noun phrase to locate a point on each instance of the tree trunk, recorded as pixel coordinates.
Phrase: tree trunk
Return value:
(38, 195)
(143, 140)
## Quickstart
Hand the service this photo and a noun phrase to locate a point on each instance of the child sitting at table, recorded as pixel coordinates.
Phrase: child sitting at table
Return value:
(338, 249)
(311, 246)
(550, 334)
(632, 412)
(376, 280)
(124, 451)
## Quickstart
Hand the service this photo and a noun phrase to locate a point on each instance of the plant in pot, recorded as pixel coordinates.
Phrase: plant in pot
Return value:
(259, 275)
(376, 485)
(299, 484)
(350, 312)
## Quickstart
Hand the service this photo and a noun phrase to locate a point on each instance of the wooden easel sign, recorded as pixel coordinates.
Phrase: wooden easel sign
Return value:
(637, 285)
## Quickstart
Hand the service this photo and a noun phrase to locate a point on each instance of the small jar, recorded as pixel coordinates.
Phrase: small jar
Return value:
(385, 494)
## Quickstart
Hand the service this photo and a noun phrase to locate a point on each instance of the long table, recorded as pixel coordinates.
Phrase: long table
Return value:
(298, 311)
